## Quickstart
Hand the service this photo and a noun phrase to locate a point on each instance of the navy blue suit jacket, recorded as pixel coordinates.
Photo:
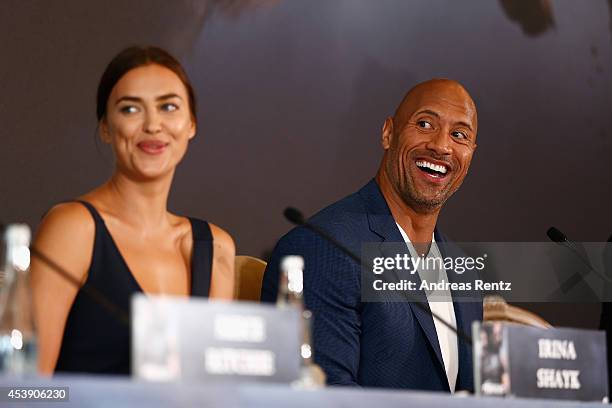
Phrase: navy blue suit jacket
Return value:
(381, 344)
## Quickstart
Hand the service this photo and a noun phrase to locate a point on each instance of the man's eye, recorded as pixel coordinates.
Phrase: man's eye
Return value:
(169, 107)
(424, 124)
(459, 135)
(128, 109)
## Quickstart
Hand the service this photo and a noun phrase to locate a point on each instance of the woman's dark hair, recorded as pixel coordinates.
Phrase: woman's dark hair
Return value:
(134, 57)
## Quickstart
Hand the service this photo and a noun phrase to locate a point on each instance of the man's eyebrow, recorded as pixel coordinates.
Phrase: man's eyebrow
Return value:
(467, 125)
(429, 112)
(437, 115)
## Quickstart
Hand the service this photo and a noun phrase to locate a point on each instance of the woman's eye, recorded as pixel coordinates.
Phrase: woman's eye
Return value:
(128, 109)
(424, 124)
(459, 135)
(169, 107)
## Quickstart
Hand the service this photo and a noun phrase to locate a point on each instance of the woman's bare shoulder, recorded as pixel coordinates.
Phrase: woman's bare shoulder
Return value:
(222, 238)
(66, 235)
(223, 275)
(69, 217)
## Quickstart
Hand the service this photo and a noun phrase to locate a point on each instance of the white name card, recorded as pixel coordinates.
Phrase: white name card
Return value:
(187, 339)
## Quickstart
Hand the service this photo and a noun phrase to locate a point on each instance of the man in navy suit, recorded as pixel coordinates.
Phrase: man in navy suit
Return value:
(428, 146)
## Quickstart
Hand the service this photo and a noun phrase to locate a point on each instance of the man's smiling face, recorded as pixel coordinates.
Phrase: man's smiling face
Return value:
(429, 143)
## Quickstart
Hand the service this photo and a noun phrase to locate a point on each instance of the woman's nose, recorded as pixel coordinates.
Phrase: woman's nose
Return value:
(152, 122)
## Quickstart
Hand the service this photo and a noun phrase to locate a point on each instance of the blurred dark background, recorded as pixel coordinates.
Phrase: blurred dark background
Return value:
(292, 96)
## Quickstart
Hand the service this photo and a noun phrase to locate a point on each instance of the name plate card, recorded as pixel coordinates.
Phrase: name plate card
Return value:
(180, 339)
(531, 362)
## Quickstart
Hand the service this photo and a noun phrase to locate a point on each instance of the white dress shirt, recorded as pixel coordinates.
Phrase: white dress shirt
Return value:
(443, 307)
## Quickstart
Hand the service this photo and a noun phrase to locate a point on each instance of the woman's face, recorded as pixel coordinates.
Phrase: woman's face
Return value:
(148, 122)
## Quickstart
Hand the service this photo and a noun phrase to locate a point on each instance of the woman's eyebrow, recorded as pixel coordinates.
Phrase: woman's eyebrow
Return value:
(128, 98)
(167, 96)
(137, 99)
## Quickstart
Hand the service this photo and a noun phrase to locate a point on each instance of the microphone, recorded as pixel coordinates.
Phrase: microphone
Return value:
(557, 236)
(294, 216)
(560, 238)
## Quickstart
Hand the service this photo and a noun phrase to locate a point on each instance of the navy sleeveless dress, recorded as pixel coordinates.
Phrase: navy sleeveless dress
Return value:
(95, 340)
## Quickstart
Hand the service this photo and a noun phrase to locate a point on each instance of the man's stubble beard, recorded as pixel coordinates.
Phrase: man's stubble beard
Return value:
(403, 184)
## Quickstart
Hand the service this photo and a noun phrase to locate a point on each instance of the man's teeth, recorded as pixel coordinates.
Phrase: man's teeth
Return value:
(434, 167)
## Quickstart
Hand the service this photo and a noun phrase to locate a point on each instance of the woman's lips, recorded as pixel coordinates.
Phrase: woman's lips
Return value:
(152, 146)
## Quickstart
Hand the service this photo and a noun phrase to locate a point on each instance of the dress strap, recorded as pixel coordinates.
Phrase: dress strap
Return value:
(92, 210)
(202, 257)
(201, 230)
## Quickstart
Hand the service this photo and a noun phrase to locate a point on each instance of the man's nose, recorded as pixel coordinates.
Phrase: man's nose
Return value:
(152, 122)
(440, 143)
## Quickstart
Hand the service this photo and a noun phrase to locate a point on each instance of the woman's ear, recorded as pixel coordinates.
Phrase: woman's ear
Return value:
(104, 133)
(193, 129)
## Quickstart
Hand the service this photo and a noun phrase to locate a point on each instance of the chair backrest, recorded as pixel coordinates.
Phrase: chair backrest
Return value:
(249, 275)
(496, 309)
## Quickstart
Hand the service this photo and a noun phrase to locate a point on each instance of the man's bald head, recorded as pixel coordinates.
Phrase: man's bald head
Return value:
(451, 91)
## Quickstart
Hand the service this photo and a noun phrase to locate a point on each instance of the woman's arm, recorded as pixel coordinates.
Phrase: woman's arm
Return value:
(224, 253)
(66, 235)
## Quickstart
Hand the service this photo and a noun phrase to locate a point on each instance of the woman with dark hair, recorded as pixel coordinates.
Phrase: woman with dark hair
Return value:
(120, 238)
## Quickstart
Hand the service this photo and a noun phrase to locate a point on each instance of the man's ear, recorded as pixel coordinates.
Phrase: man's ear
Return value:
(387, 133)
(104, 133)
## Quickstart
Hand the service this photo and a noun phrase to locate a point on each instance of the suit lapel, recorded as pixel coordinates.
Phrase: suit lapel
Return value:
(383, 224)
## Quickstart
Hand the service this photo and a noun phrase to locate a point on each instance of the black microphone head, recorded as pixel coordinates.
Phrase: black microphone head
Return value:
(556, 236)
(294, 215)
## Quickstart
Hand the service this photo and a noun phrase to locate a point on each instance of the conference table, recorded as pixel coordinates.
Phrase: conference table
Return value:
(118, 392)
